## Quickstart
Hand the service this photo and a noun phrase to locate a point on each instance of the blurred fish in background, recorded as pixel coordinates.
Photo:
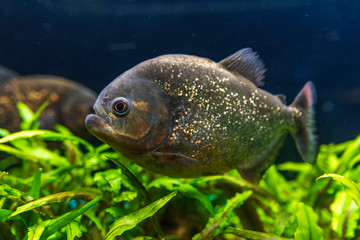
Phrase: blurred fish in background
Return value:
(68, 102)
(6, 73)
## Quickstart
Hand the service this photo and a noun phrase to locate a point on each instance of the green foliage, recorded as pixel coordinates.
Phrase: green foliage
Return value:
(53, 198)
(131, 220)
(56, 224)
(253, 235)
(220, 220)
(350, 187)
(307, 224)
(185, 189)
(30, 120)
(54, 185)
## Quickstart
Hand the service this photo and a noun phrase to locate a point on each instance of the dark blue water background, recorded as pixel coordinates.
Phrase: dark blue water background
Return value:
(92, 42)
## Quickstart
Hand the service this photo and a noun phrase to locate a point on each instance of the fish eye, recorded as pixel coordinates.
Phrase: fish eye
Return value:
(121, 106)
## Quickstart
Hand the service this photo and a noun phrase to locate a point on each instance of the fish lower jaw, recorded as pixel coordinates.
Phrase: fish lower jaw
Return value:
(97, 125)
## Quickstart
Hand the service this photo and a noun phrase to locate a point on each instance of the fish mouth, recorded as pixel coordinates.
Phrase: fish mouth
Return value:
(97, 123)
(98, 126)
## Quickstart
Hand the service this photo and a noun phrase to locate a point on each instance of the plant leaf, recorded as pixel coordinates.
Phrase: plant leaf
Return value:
(58, 223)
(35, 232)
(276, 184)
(91, 215)
(213, 225)
(126, 196)
(352, 224)
(35, 186)
(116, 211)
(109, 180)
(14, 194)
(62, 129)
(295, 166)
(130, 221)
(185, 189)
(327, 160)
(34, 191)
(47, 156)
(26, 115)
(351, 188)
(352, 149)
(4, 132)
(5, 213)
(17, 153)
(30, 120)
(73, 230)
(307, 224)
(253, 235)
(133, 180)
(139, 187)
(54, 198)
(46, 135)
(152, 238)
(339, 208)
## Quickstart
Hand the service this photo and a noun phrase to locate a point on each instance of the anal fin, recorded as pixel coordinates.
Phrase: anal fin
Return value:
(252, 173)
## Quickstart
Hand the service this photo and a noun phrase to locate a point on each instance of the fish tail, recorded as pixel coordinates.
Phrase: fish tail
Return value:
(304, 136)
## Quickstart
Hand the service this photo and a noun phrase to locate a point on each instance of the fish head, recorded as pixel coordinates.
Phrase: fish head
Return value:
(131, 115)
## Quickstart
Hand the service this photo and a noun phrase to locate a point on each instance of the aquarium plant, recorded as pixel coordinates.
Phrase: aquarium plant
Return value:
(55, 185)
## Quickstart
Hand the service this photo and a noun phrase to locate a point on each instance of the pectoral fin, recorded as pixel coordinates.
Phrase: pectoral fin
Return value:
(176, 165)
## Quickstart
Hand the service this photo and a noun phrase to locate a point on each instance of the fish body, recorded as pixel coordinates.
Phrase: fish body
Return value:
(187, 116)
(68, 102)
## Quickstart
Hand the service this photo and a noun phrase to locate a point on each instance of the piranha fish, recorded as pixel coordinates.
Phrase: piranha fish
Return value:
(187, 116)
(68, 102)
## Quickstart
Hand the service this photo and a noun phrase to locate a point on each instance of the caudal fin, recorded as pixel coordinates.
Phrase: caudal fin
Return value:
(305, 138)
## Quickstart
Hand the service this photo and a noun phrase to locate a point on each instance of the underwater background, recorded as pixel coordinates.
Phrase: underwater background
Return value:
(93, 42)
(54, 184)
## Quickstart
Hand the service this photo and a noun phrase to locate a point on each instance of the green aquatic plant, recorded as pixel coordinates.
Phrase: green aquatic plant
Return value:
(54, 185)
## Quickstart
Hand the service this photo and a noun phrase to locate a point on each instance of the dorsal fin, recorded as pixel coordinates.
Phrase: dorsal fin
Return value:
(247, 63)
